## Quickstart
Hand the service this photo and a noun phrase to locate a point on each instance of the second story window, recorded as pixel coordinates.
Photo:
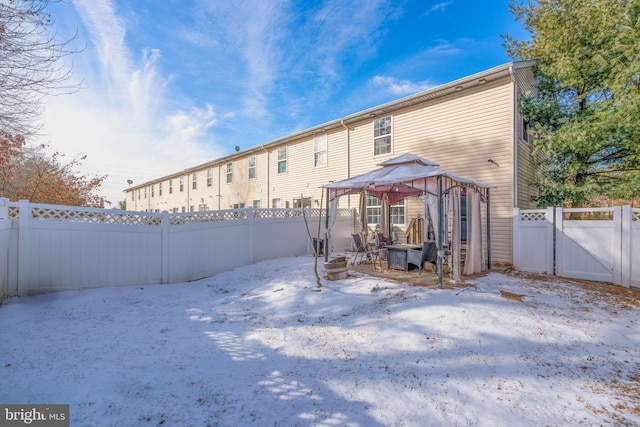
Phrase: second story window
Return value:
(320, 150)
(229, 173)
(145, 192)
(181, 184)
(170, 186)
(209, 178)
(194, 181)
(282, 160)
(252, 167)
(382, 136)
(160, 189)
(153, 190)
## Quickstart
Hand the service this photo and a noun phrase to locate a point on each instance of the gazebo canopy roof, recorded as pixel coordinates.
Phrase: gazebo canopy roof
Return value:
(400, 177)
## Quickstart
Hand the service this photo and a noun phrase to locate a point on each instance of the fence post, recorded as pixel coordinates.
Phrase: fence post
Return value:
(550, 249)
(625, 246)
(164, 251)
(516, 237)
(559, 230)
(24, 218)
(4, 208)
(616, 256)
(251, 233)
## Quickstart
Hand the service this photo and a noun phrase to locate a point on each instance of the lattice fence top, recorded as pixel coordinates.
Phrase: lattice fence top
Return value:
(277, 213)
(13, 212)
(533, 216)
(104, 216)
(96, 217)
(196, 218)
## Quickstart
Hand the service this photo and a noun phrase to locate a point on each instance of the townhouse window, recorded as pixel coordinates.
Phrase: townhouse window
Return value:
(174, 210)
(133, 195)
(302, 202)
(397, 213)
(382, 136)
(209, 177)
(171, 187)
(145, 192)
(181, 184)
(238, 206)
(138, 194)
(252, 167)
(282, 160)
(152, 190)
(202, 207)
(525, 130)
(160, 189)
(229, 173)
(374, 211)
(256, 204)
(276, 203)
(320, 150)
(183, 209)
(194, 181)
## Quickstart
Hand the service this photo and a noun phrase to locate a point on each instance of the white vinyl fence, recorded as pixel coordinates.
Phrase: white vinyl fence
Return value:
(49, 248)
(600, 244)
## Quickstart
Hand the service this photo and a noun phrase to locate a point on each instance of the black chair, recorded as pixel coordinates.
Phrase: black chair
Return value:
(429, 252)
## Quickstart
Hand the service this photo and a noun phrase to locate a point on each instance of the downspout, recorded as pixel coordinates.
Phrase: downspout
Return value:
(268, 177)
(348, 159)
(515, 137)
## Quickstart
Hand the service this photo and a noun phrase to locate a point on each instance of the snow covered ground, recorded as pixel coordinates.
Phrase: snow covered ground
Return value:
(256, 346)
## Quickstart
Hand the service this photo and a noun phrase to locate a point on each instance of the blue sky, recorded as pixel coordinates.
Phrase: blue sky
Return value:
(170, 84)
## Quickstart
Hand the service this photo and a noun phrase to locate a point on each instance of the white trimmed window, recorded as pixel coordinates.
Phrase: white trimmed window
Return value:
(382, 136)
(152, 190)
(229, 173)
(276, 203)
(194, 181)
(282, 160)
(374, 211)
(181, 184)
(256, 204)
(320, 150)
(159, 189)
(171, 187)
(209, 177)
(252, 167)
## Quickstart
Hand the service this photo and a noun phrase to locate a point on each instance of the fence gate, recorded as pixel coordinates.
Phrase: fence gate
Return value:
(599, 244)
(590, 247)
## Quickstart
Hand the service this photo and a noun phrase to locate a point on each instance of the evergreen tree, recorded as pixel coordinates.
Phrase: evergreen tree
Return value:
(585, 114)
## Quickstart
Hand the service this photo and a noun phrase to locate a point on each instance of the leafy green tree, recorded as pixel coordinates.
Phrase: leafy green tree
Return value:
(585, 114)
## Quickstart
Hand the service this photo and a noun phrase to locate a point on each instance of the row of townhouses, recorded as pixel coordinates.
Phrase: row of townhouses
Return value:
(470, 127)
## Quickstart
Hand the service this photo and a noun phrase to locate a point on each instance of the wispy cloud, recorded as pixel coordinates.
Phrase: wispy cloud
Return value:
(124, 120)
(400, 87)
(438, 7)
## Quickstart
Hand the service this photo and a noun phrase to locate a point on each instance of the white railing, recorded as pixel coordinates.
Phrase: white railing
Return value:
(600, 244)
(48, 248)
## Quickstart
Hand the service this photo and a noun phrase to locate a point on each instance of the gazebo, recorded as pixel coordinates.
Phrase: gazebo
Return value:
(409, 175)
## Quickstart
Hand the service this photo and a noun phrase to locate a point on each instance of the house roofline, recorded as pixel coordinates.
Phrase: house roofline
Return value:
(464, 83)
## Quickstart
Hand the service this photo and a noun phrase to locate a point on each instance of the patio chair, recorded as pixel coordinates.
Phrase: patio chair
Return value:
(362, 250)
(383, 240)
(429, 252)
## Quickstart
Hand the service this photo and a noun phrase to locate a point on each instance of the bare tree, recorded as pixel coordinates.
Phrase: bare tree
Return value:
(31, 64)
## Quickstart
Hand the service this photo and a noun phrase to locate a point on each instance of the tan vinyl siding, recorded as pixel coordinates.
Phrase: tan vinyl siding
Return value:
(460, 130)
